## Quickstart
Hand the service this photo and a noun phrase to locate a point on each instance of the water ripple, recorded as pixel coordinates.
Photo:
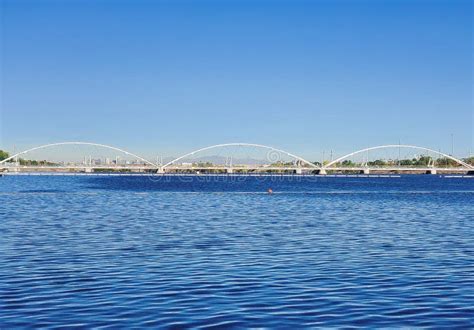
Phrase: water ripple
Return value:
(125, 252)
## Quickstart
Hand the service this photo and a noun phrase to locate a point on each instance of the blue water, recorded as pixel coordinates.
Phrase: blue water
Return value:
(218, 252)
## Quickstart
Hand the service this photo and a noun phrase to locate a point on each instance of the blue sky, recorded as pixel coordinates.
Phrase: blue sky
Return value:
(164, 77)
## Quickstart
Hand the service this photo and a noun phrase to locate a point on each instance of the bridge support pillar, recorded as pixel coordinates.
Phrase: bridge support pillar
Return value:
(366, 171)
(322, 171)
(299, 171)
(88, 170)
(161, 170)
(229, 170)
(432, 171)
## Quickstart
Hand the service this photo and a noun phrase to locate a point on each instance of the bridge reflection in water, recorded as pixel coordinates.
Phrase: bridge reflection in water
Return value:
(378, 159)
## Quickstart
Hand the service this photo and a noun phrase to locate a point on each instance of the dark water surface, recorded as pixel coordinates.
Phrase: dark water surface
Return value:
(219, 252)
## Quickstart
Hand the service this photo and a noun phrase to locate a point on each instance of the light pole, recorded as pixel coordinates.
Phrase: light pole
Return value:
(399, 152)
(452, 144)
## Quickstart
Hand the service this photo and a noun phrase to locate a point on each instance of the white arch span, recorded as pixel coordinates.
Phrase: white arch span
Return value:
(78, 143)
(239, 144)
(399, 146)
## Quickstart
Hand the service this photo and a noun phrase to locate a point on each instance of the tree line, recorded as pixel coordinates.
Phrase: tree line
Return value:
(420, 161)
(25, 162)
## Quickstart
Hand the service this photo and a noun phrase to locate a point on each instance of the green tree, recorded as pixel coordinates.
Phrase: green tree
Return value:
(423, 161)
(406, 162)
(348, 163)
(29, 162)
(377, 162)
(448, 162)
(3, 155)
(469, 160)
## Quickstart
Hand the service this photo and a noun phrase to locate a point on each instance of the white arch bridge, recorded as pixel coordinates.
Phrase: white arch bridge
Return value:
(366, 161)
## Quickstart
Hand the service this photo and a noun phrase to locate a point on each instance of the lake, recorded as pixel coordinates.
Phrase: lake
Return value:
(220, 252)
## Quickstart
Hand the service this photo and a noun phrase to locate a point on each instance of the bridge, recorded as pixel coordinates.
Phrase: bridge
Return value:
(224, 159)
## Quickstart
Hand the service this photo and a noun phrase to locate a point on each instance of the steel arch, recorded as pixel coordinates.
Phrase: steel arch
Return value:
(239, 144)
(398, 146)
(79, 143)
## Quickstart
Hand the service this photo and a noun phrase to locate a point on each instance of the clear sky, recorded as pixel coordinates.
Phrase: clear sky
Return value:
(164, 77)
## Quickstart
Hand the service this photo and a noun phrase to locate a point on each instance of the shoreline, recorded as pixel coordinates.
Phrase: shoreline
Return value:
(233, 175)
